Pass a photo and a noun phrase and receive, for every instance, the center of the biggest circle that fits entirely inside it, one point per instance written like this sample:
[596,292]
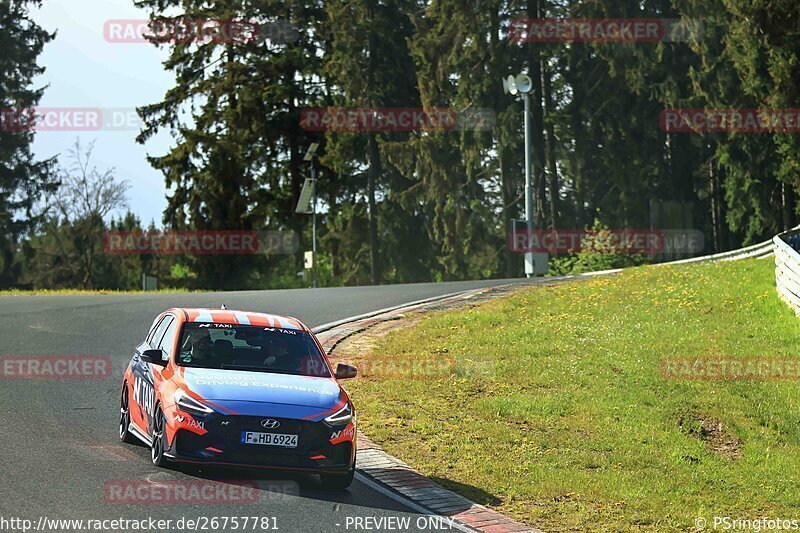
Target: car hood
[225,386]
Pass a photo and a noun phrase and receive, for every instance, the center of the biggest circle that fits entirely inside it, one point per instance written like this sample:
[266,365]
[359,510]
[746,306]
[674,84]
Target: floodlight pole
[309,158]
[528,186]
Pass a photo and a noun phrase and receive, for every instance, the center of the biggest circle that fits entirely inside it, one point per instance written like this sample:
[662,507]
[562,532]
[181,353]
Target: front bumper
[217,439]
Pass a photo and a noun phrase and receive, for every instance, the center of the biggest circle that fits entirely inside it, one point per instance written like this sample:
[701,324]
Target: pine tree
[235,115]
[23,180]
[763,47]
[369,66]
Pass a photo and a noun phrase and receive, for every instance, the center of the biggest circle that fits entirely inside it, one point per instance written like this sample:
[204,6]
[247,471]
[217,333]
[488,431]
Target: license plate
[269,439]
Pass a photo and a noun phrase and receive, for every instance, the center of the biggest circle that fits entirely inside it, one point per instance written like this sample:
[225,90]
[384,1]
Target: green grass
[557,413]
[82,292]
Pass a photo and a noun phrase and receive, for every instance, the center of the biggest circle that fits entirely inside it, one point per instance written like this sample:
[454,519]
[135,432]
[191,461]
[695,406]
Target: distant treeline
[610,147]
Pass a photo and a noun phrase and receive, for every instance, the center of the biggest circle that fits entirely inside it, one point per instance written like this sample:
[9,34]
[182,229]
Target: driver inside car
[198,345]
[279,356]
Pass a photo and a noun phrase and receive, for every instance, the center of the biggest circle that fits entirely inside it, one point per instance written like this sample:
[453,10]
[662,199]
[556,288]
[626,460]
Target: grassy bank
[558,415]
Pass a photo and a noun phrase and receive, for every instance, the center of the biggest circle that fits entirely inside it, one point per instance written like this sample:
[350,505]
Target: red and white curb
[394,478]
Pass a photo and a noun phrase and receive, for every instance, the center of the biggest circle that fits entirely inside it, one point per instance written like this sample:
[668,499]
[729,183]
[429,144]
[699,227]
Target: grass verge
[83,292]
[557,413]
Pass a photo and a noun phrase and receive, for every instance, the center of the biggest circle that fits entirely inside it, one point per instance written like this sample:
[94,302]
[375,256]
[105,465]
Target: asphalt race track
[59,437]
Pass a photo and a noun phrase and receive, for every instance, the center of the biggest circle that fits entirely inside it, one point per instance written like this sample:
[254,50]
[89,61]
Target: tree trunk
[509,196]
[372,176]
[788,201]
[296,178]
[552,167]
[509,174]
[334,242]
[715,210]
[373,155]
[537,120]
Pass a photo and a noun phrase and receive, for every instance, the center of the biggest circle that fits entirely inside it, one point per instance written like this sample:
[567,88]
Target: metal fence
[762,249]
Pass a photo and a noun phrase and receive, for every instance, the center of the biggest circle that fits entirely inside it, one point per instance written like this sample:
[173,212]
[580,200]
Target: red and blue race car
[239,388]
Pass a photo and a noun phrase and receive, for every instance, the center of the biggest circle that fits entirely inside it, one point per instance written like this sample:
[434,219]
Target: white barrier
[787,270]
[762,249]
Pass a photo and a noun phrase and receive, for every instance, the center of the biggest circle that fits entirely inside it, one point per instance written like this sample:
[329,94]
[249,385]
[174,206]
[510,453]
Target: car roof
[238,317]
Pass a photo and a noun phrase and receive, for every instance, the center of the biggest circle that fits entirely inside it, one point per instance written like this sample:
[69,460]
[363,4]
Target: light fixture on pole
[308,203]
[514,85]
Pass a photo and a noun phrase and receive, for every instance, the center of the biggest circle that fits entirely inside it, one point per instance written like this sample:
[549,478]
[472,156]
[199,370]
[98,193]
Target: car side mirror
[153,357]
[344,371]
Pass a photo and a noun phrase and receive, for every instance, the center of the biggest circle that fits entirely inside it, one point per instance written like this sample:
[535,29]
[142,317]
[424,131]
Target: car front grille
[225,434]
[310,434]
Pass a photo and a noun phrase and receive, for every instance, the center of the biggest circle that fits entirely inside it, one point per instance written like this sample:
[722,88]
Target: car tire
[125,417]
[159,440]
[337,481]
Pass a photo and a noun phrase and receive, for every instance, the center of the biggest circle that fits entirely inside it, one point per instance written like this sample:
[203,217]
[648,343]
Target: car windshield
[251,348]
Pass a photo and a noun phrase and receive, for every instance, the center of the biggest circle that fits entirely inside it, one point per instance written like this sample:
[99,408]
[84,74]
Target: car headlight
[342,416]
[189,404]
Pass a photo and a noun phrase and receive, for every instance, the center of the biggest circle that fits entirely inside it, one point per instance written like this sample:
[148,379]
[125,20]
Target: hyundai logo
[269,423]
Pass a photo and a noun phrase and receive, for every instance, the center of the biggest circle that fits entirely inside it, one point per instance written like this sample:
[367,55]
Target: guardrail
[787,267]
[762,249]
